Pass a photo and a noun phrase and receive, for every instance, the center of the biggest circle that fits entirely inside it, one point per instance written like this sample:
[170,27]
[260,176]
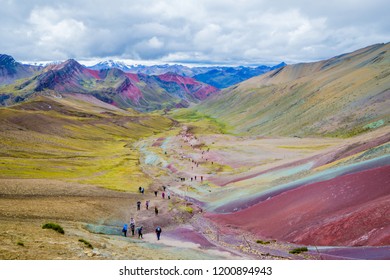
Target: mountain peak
[72,63]
[8,66]
[10,69]
[68,65]
[282,64]
[7,60]
[108,64]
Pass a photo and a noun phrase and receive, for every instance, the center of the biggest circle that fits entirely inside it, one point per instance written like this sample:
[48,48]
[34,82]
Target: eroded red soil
[350,210]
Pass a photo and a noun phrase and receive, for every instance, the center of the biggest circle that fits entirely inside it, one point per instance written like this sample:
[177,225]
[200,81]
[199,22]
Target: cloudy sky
[191,31]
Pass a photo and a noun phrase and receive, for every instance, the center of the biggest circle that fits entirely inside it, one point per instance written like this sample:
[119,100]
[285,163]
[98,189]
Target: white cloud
[206,38]
[155,43]
[55,35]
[229,31]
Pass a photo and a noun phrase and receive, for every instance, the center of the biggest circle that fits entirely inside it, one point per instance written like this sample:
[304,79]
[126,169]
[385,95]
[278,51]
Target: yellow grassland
[96,149]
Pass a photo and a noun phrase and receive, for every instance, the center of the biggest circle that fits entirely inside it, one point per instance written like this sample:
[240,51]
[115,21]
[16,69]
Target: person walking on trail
[124,230]
[132,226]
[156,210]
[158,232]
[147,204]
[169,195]
[155,193]
[163,195]
[164,187]
[142,190]
[138,205]
[139,231]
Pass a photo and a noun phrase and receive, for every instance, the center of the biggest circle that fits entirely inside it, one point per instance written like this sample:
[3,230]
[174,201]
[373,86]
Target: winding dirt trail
[225,170]
[184,162]
[196,165]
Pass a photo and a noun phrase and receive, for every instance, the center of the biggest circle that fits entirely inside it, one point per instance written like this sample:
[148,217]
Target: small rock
[95,252]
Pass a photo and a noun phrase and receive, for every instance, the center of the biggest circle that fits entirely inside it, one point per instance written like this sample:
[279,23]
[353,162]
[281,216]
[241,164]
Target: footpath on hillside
[181,165]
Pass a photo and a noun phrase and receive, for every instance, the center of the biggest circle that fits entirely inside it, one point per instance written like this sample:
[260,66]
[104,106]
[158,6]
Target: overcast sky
[191,31]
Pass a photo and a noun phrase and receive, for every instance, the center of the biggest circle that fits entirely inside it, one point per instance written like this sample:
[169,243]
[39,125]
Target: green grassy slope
[343,96]
[75,140]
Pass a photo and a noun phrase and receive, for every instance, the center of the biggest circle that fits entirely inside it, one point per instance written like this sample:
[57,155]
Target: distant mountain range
[139,91]
[143,88]
[217,76]
[223,77]
[148,70]
[342,96]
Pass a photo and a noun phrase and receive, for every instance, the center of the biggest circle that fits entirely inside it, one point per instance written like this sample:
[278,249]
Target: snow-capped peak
[107,64]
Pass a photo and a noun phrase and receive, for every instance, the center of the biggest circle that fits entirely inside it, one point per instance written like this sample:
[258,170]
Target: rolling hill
[342,96]
[75,138]
[297,156]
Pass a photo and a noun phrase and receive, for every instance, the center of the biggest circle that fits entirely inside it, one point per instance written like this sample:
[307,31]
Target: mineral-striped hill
[126,90]
[342,96]
[69,154]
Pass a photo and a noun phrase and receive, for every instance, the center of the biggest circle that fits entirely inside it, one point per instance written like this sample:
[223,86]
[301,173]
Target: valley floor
[212,180]
[96,215]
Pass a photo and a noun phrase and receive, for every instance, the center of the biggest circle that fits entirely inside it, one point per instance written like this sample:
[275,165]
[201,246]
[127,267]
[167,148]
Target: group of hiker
[139,229]
[194,178]
[133,229]
[147,207]
[163,193]
[191,139]
[147,202]
[187,137]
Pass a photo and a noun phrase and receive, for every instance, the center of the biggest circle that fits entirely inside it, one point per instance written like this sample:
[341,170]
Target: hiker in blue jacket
[124,230]
[158,232]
